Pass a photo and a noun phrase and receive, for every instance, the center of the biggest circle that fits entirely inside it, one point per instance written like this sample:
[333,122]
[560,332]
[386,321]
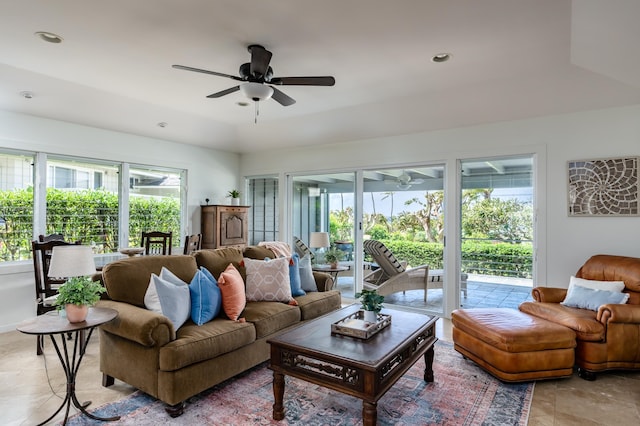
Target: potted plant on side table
[76,295]
[333,256]
[371,304]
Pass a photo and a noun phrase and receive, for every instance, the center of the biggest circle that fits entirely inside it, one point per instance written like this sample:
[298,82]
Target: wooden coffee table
[365,369]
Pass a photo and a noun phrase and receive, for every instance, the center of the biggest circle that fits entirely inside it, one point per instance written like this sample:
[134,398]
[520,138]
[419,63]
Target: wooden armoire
[224,226]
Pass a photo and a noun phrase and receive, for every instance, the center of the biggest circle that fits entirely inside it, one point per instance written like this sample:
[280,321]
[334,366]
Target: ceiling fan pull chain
[255,120]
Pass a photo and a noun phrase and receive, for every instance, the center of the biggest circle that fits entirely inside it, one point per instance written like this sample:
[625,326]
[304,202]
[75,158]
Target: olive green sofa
[141,347]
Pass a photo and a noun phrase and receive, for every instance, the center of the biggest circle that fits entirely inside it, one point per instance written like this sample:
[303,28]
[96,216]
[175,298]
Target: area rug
[462,394]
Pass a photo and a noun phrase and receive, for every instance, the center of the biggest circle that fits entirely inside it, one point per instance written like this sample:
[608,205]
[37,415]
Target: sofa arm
[324,282]
[549,294]
[140,325]
[612,313]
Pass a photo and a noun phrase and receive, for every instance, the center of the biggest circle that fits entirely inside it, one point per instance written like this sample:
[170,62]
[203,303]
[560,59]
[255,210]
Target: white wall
[211,174]
[567,241]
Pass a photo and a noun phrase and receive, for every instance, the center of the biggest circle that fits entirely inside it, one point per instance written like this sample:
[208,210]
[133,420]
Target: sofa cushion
[588,298]
[126,280]
[268,280]
[217,260]
[199,343]
[269,317]
[307,281]
[206,298]
[258,252]
[315,304]
[582,321]
[175,300]
[294,276]
[616,286]
[233,295]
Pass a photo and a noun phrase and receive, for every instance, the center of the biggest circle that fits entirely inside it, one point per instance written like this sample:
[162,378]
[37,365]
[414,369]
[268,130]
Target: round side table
[52,324]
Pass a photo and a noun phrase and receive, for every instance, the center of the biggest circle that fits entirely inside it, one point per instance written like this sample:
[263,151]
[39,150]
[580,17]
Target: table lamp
[318,240]
[71,261]
[75,263]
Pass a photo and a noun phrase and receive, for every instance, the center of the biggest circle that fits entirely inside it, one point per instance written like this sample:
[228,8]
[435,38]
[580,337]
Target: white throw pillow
[616,286]
[268,280]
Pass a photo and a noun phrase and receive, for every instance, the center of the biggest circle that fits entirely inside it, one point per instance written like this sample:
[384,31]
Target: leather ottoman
[514,346]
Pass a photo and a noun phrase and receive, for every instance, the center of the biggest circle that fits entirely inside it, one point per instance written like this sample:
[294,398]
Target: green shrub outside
[90,216]
[488,258]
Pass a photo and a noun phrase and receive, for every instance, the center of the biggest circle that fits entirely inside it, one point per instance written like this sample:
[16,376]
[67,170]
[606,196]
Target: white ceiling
[511,60]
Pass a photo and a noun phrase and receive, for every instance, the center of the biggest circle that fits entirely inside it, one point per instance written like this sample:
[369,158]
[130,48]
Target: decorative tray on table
[354,325]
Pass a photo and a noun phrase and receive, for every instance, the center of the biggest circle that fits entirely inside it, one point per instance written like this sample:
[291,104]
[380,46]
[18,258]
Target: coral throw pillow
[233,295]
[268,280]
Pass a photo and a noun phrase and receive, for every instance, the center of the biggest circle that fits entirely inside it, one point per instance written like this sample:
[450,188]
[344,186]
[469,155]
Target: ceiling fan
[404,181]
[258,80]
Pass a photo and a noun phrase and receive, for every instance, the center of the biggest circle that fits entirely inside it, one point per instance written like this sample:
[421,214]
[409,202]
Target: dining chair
[46,287]
[51,237]
[156,242]
[192,243]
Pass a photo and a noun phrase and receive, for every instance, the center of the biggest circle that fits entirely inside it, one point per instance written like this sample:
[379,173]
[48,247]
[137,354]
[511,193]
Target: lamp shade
[319,239]
[71,261]
[256,91]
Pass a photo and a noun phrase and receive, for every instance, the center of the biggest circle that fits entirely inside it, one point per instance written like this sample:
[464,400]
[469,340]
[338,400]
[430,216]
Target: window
[154,202]
[76,210]
[82,202]
[263,198]
[16,206]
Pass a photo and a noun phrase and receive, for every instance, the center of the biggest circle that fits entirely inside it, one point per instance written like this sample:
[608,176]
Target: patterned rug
[462,394]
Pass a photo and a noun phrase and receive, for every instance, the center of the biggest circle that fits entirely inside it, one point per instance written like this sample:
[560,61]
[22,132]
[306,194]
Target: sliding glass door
[497,231]
[403,208]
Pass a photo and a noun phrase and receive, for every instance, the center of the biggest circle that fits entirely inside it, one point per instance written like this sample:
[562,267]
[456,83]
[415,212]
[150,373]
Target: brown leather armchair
[609,338]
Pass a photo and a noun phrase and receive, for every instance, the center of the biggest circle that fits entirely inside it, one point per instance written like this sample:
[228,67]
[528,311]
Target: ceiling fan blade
[303,81]
[260,58]
[417,181]
[281,98]
[219,74]
[224,92]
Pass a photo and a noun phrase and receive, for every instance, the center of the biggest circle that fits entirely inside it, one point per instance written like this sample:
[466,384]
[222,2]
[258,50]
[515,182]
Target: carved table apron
[365,369]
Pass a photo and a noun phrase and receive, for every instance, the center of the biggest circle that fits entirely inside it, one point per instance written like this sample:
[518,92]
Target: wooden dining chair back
[46,287]
[50,237]
[156,242]
[192,243]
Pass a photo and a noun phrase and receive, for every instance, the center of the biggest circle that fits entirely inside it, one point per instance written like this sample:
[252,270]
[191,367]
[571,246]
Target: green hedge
[501,259]
[90,216]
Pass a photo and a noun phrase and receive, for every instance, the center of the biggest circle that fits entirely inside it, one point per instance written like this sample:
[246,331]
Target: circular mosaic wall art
[607,187]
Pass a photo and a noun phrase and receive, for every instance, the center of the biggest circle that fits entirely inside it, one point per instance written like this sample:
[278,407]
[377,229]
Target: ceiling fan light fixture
[403,186]
[256,91]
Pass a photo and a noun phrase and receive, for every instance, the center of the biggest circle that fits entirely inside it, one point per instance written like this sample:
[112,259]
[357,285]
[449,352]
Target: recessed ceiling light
[26,94]
[48,37]
[441,57]
[162,124]
[242,104]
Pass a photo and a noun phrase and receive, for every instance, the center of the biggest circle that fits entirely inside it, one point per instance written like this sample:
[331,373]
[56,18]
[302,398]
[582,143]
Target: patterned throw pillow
[233,295]
[268,280]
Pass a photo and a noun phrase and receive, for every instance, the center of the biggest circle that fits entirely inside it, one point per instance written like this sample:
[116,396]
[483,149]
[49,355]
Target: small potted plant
[371,304]
[333,256]
[234,194]
[76,295]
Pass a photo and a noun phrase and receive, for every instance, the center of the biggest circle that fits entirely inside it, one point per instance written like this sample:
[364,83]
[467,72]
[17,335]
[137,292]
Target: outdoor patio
[482,292]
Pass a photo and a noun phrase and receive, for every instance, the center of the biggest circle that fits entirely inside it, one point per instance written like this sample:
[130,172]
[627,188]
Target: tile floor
[27,397]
